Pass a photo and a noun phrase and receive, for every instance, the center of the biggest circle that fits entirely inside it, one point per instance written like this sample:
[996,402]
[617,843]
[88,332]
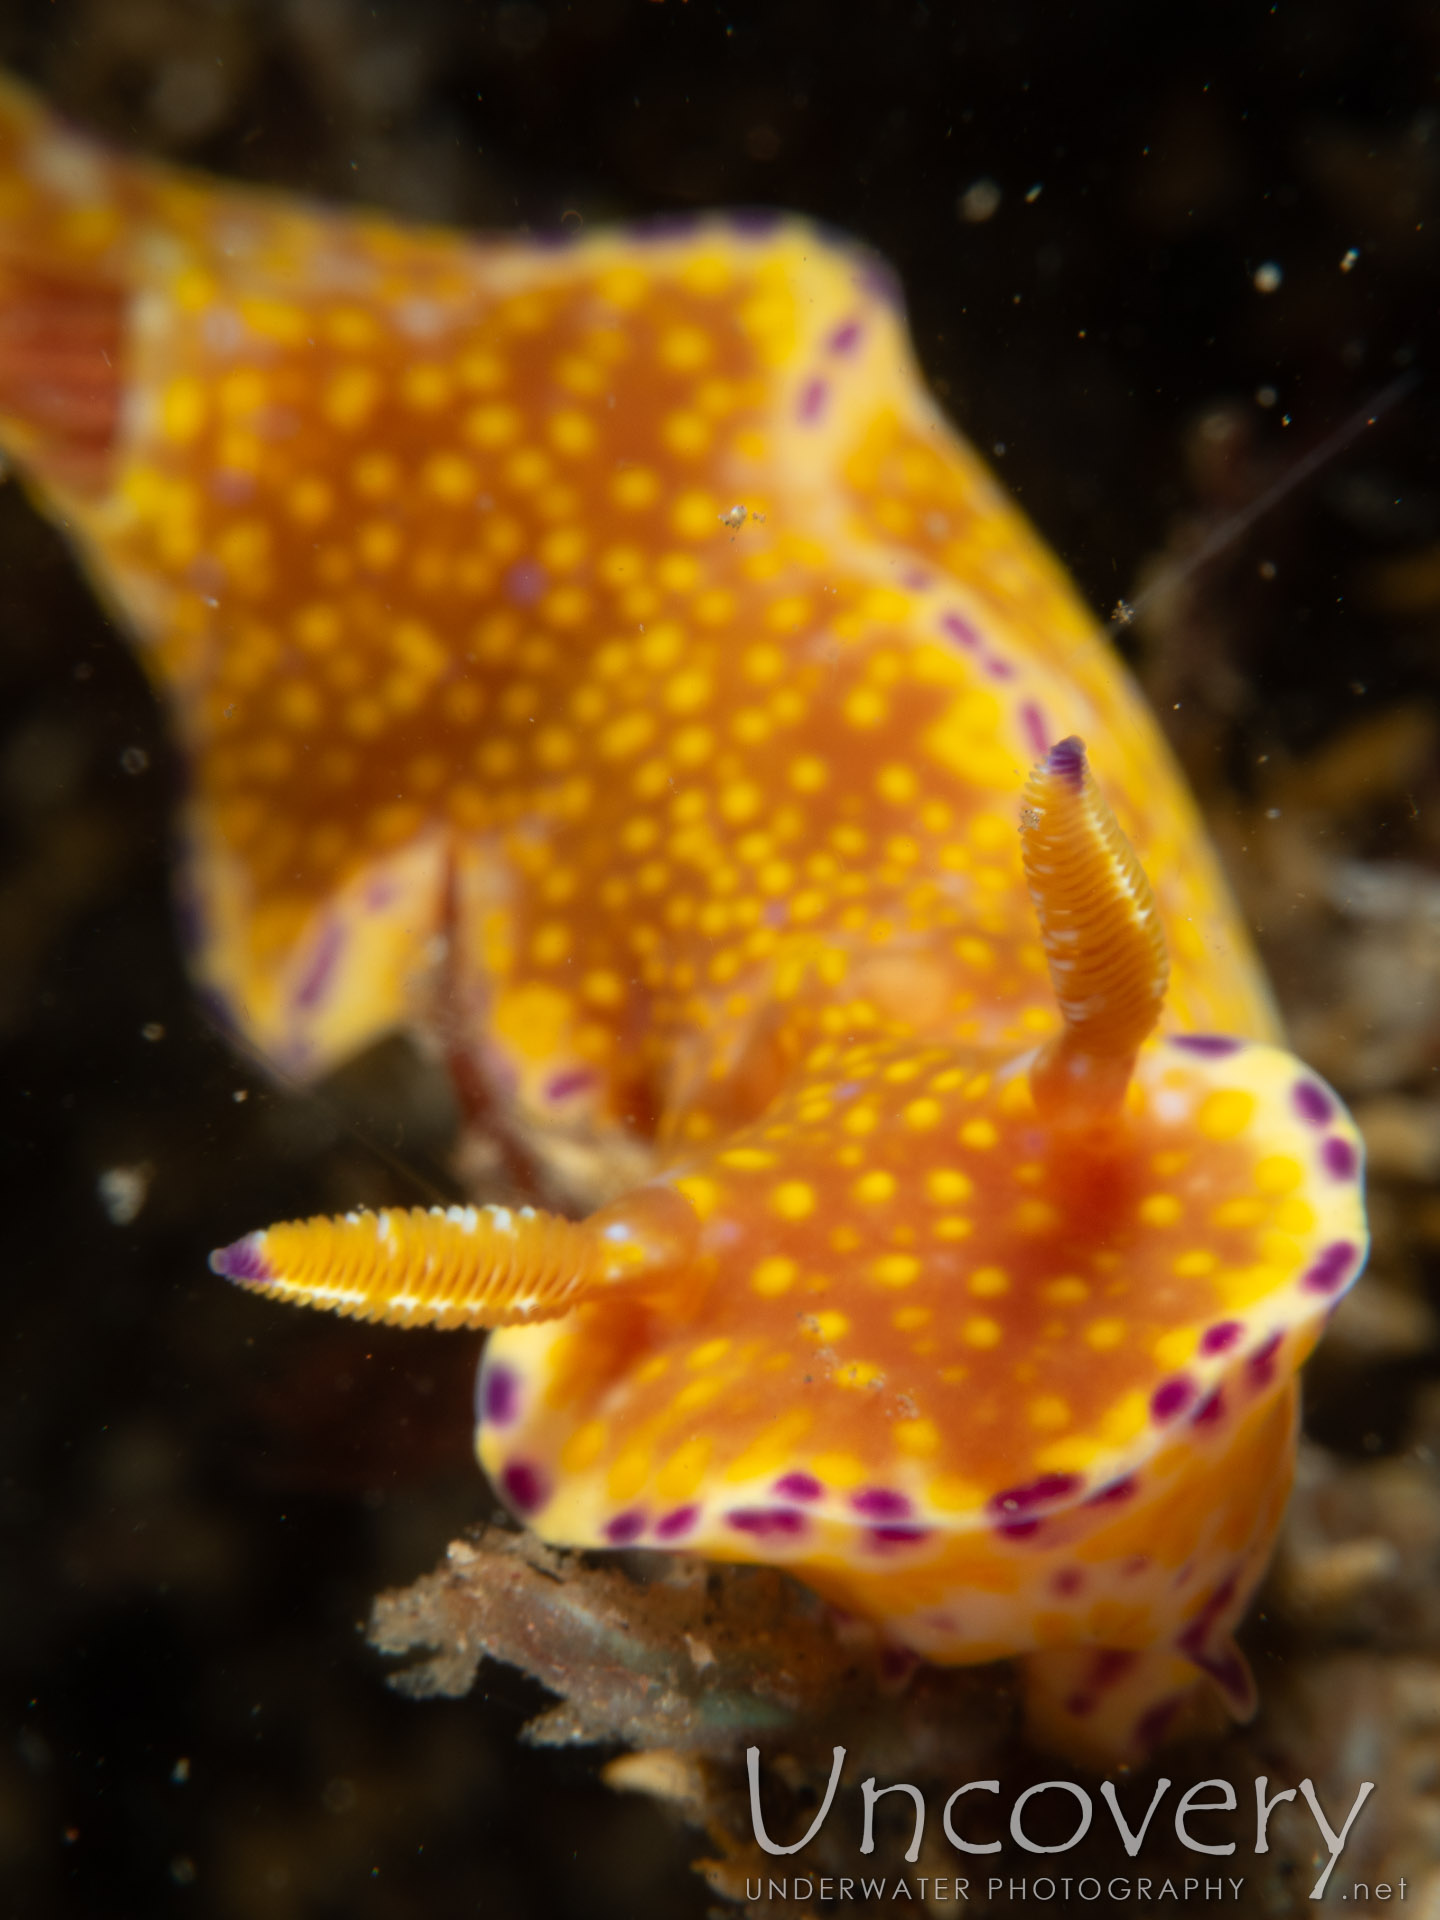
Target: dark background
[198,1497]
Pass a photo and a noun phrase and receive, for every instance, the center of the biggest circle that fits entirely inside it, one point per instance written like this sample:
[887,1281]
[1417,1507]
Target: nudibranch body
[604,662]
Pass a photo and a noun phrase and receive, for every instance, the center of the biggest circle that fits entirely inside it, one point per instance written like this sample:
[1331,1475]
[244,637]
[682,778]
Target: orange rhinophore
[604,662]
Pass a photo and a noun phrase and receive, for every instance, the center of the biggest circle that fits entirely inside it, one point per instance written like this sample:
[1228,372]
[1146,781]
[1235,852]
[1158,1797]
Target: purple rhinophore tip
[1066,760]
[243,1261]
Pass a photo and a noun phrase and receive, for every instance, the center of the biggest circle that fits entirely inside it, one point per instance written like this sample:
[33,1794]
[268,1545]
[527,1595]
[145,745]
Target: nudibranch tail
[461,1266]
[1101,933]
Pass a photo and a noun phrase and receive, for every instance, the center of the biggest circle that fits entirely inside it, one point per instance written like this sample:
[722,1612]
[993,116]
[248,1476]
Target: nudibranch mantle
[604,662]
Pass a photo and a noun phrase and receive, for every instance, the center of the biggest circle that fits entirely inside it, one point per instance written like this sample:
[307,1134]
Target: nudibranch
[602,661]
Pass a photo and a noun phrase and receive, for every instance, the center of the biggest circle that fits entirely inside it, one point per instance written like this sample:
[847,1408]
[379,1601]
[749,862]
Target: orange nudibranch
[604,662]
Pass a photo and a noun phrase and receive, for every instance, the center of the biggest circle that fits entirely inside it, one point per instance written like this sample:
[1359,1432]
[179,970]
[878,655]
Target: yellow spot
[980,1331]
[493,425]
[1160,1210]
[584,1446]
[808,774]
[858,1373]
[449,477]
[748,1159]
[704,1195]
[687,434]
[872,1188]
[1129,1416]
[1068,1291]
[1103,1335]
[897,784]
[946,1186]
[350,397]
[1196,1264]
[774,1275]
[861,1119]
[978,1133]
[948,1493]
[916,1436]
[865,708]
[1295,1216]
[1036,1216]
[793,1200]
[1173,1349]
[1278,1173]
[572,432]
[989,1282]
[895,1269]
[1243,1212]
[1048,1412]
[829,1324]
[922,1114]
[688,690]
[707,1354]
[375,474]
[183,410]
[603,988]
[1225,1114]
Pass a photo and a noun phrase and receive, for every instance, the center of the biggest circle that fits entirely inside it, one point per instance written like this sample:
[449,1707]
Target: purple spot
[1209,1410]
[1331,1269]
[1312,1103]
[846,337]
[1221,1337]
[799,1486]
[625,1526]
[916,578]
[898,1536]
[767,1523]
[999,669]
[573,1080]
[880,1503]
[1111,1666]
[1262,1361]
[1036,731]
[525,582]
[1339,1158]
[960,629]
[679,1521]
[1018,1529]
[523,1486]
[242,1260]
[322,965]
[500,1396]
[1153,1724]
[1067,1581]
[813,396]
[1038,1493]
[1172,1397]
[755,220]
[1066,760]
[380,894]
[1116,1491]
[1213,1045]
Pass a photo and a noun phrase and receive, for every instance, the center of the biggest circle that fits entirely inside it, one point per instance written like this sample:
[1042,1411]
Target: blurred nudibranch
[603,661]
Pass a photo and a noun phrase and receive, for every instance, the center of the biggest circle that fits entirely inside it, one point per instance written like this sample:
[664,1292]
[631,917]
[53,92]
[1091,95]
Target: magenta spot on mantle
[767,1523]
[1036,732]
[318,974]
[1116,1491]
[960,629]
[846,337]
[1312,1103]
[1262,1361]
[799,1486]
[880,1503]
[1339,1158]
[1221,1337]
[999,669]
[1172,1397]
[1067,1581]
[1331,1269]
[813,396]
[499,1396]
[625,1526]
[525,582]
[1037,1493]
[1209,1410]
[679,1520]
[523,1486]
[884,1537]
[1213,1045]
[573,1080]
